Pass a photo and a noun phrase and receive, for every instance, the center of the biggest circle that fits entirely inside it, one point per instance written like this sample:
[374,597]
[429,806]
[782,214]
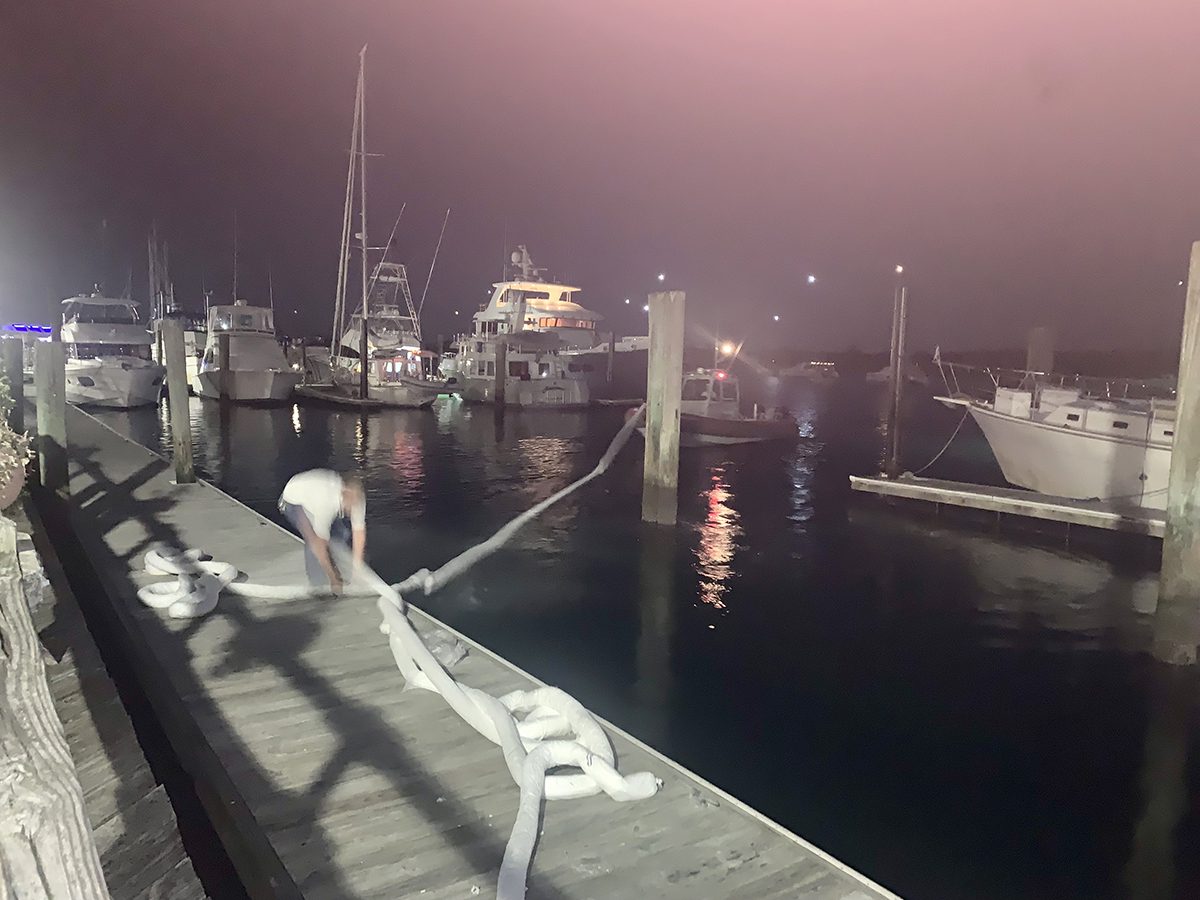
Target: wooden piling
[14,370]
[899,327]
[223,362]
[1177,619]
[501,383]
[1039,350]
[664,382]
[177,398]
[50,376]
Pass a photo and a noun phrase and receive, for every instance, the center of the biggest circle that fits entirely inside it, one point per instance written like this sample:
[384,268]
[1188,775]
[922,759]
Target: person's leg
[339,533]
[312,566]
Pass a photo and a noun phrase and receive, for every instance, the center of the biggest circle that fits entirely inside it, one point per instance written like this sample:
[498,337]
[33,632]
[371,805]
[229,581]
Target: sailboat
[376,357]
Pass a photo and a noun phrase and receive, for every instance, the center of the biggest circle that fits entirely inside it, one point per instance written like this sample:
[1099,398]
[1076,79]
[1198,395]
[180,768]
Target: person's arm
[358,542]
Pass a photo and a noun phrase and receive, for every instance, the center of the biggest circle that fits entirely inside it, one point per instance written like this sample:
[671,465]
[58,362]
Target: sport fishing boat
[710,413]
[1071,436]
[818,371]
[108,353]
[258,371]
[532,303]
[376,358]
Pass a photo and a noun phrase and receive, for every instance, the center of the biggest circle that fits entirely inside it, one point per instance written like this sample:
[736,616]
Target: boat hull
[543,393]
[1078,464]
[712,431]
[249,386]
[406,393]
[113,384]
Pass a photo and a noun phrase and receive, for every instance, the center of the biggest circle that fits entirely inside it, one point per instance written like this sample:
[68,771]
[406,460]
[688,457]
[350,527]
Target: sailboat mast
[339,301]
[362,212]
[235,255]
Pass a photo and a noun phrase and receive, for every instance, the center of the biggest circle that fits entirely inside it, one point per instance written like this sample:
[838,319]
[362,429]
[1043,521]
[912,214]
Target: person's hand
[335,585]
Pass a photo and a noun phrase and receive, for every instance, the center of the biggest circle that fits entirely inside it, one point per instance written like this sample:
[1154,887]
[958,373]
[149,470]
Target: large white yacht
[108,353]
[548,331]
[1071,436]
[258,370]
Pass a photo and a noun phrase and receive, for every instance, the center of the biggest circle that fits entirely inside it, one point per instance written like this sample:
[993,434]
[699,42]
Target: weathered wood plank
[46,844]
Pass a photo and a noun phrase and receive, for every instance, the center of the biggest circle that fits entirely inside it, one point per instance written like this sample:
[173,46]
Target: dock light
[899,270]
[646,308]
[662,276]
[812,279]
[727,348]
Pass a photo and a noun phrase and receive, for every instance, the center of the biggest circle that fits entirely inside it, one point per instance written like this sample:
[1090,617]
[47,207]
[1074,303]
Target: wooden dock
[133,822]
[1016,502]
[327,780]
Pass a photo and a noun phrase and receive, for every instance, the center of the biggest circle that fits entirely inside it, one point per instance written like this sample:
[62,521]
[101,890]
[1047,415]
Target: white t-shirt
[319,492]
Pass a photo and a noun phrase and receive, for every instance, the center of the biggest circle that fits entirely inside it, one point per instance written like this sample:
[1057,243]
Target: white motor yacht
[1071,436]
[531,303]
[258,370]
[108,353]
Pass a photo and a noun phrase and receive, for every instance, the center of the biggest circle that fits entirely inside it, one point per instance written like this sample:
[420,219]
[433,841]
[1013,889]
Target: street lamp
[899,269]
[812,279]
[662,276]
[727,348]
[775,317]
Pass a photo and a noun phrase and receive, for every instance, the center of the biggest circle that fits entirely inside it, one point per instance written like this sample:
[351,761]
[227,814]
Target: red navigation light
[720,376]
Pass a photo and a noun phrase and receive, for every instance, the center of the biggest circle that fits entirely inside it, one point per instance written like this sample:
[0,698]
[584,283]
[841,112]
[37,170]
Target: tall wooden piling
[1177,619]
[899,329]
[664,382]
[501,383]
[177,398]
[223,363]
[50,377]
[1039,350]
[14,371]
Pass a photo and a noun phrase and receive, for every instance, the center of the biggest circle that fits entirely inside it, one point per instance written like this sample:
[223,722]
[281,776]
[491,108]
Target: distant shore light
[662,276]
[626,301]
[776,318]
[899,269]
[812,279]
[646,308]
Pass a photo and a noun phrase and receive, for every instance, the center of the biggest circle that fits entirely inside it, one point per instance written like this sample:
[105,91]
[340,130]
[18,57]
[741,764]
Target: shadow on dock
[78,527]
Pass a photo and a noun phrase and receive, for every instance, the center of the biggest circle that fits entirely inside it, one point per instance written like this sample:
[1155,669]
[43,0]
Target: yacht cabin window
[695,389]
[91,351]
[100,314]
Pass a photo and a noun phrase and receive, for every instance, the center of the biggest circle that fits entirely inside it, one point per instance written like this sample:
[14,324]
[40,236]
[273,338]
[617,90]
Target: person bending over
[325,506]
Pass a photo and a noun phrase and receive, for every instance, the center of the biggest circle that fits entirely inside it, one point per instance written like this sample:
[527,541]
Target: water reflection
[296,418]
[656,582]
[718,542]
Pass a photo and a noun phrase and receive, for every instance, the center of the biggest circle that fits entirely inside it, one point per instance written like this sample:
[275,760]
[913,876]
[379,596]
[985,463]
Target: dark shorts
[339,531]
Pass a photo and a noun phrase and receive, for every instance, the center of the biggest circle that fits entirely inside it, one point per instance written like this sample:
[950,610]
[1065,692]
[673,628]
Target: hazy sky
[1028,161]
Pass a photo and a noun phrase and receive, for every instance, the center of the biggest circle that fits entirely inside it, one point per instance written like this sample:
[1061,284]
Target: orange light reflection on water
[718,543]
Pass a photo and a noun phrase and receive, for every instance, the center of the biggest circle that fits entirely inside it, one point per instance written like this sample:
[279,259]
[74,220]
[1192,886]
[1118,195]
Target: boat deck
[1017,502]
[327,779]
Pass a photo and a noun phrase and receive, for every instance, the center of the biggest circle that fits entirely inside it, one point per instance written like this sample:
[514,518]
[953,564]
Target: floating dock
[325,779]
[1016,502]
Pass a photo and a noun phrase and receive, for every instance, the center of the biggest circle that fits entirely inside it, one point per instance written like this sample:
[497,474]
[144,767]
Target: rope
[537,730]
[431,581]
[945,446]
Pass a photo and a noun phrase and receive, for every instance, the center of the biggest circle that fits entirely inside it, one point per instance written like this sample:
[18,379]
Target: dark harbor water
[954,712]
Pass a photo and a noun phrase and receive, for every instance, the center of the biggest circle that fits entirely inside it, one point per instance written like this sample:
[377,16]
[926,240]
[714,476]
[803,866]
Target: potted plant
[14,451]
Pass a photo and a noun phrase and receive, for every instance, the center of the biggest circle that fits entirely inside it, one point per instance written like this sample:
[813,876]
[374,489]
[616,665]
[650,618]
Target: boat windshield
[695,389]
[100,314]
[92,351]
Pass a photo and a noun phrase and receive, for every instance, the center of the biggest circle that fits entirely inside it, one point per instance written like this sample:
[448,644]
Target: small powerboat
[710,414]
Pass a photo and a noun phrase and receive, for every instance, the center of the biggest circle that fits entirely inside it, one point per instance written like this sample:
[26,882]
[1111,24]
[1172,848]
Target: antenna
[270,289]
[235,254]
[436,250]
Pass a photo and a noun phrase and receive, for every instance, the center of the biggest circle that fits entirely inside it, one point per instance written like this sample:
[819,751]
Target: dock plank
[361,788]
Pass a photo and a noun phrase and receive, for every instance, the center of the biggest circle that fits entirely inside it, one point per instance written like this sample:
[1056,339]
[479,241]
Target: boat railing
[981,382]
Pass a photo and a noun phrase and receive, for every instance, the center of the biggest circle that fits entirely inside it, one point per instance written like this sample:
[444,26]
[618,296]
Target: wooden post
[612,352]
[223,362]
[664,382]
[899,326]
[501,371]
[1039,351]
[14,370]
[50,375]
[1177,619]
[47,848]
[177,397]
